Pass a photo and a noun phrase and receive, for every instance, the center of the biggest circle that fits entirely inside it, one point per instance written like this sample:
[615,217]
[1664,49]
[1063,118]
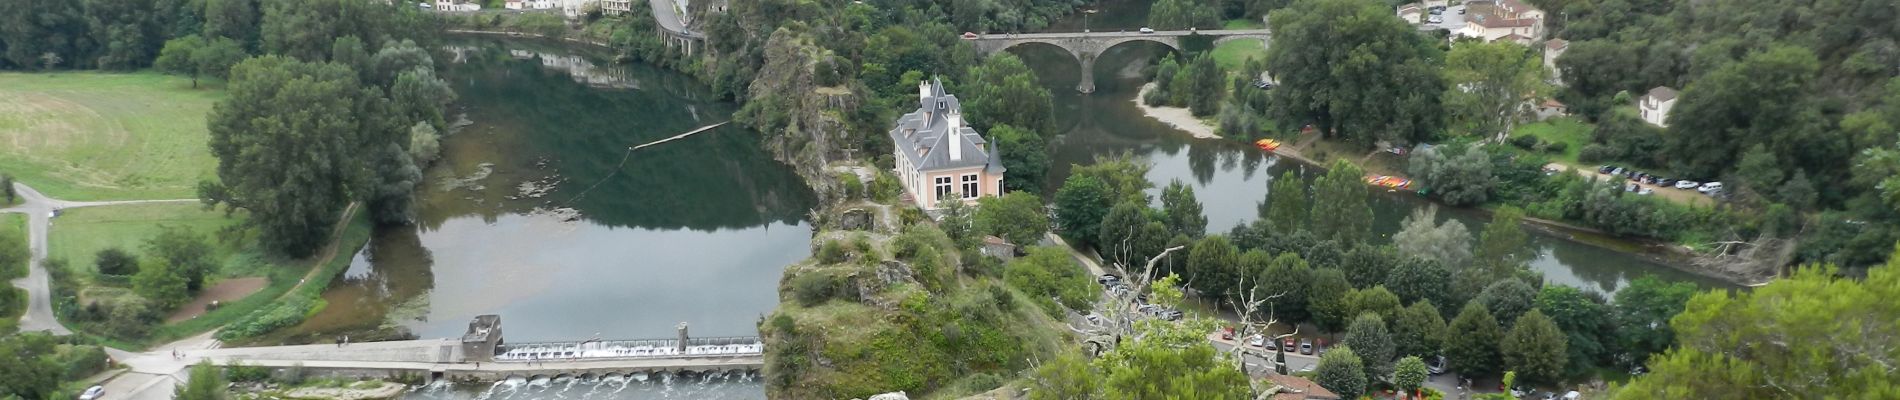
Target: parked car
[1168,315]
[1687,184]
[1710,187]
[1108,279]
[1437,11]
[1630,187]
[1287,343]
[1435,19]
[1306,346]
[1436,365]
[1573,395]
[1257,341]
[1616,171]
[1645,191]
[1227,333]
[1147,30]
[93,393]
[1461,11]
[969,35]
[1605,169]
[1273,345]
[1666,182]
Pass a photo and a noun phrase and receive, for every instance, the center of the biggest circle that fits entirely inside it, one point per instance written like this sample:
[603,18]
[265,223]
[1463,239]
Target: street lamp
[1085,19]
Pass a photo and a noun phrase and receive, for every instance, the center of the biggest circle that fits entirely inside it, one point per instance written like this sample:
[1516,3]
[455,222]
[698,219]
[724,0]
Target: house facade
[939,156]
[1493,20]
[1654,107]
[1552,49]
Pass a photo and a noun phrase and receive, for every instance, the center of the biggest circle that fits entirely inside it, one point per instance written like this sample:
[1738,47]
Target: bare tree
[1248,306]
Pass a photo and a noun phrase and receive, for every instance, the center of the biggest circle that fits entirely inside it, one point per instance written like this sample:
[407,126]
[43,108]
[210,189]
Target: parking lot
[1453,19]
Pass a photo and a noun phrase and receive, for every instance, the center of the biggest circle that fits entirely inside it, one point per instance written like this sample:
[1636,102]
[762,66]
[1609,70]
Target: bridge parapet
[1085,46]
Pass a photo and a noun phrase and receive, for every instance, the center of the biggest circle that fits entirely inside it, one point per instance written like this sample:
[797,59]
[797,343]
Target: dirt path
[225,291]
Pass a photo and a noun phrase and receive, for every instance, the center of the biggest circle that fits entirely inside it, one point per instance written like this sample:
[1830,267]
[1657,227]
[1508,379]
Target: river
[538,212]
[1231,179]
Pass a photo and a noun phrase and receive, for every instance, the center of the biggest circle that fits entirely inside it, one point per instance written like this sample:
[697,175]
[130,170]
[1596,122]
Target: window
[943,187]
[969,186]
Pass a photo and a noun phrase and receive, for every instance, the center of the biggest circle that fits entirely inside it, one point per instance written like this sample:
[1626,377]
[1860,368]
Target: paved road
[38,209]
[670,19]
[1112,35]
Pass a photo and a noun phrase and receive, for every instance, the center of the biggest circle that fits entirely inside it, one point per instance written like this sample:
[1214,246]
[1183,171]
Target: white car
[1645,191]
[1436,19]
[1710,187]
[1147,30]
[1687,184]
[93,393]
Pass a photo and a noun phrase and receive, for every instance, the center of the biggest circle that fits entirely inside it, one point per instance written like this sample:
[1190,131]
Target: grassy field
[80,233]
[98,136]
[1570,131]
[1232,54]
[1243,24]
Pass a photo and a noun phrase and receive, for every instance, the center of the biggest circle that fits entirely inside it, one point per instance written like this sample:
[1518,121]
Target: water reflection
[539,213]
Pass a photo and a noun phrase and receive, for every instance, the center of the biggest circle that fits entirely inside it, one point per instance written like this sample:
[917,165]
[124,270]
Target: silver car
[93,393]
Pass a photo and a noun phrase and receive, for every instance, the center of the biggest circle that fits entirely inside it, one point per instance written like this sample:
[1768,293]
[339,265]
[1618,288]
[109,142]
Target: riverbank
[1179,118]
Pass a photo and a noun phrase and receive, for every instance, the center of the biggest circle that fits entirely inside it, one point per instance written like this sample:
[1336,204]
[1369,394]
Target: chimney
[923,92]
[954,128]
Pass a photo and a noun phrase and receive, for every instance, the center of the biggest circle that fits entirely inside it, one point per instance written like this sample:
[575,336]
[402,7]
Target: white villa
[1654,107]
[939,156]
[1493,20]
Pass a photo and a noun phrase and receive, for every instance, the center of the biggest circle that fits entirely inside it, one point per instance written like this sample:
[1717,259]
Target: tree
[396,58]
[1342,372]
[1004,91]
[1418,330]
[1376,300]
[1067,377]
[1503,246]
[1323,51]
[425,144]
[1507,299]
[6,185]
[1490,85]
[418,95]
[1423,237]
[958,222]
[1473,349]
[1290,279]
[1285,208]
[1367,266]
[288,141]
[1025,157]
[1183,211]
[1124,238]
[1125,176]
[1416,280]
[1585,319]
[1643,311]
[162,283]
[1080,206]
[186,251]
[1535,349]
[1409,373]
[194,57]
[1812,334]
[1183,14]
[1457,177]
[1156,369]
[1340,212]
[207,383]
[1327,301]
[1017,217]
[1369,339]
[1758,100]
[115,261]
[1214,267]
[31,371]
[233,19]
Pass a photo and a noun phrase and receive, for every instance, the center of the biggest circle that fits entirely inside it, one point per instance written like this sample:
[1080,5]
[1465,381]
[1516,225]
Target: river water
[538,213]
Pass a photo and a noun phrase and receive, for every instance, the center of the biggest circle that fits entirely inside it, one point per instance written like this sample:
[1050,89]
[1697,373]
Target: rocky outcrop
[801,114]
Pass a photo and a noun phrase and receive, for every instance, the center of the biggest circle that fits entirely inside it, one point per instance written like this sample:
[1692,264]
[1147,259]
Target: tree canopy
[1326,54]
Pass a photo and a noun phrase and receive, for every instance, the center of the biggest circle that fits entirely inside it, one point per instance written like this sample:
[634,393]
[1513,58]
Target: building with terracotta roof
[939,156]
[1289,387]
[1493,20]
[1654,107]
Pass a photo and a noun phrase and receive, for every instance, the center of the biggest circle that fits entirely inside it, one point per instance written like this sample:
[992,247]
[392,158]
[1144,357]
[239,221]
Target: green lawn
[1231,55]
[80,233]
[13,226]
[1571,131]
[1243,24]
[101,136]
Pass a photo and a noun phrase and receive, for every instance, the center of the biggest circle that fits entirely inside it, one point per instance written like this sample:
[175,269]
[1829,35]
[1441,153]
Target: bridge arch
[1086,46]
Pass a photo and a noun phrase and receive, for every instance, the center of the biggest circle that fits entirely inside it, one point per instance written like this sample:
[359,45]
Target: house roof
[1494,21]
[1553,103]
[925,136]
[1556,44]
[1662,93]
[1297,388]
[1413,7]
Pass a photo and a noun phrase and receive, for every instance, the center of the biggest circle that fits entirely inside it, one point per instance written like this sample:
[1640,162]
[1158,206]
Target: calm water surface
[537,212]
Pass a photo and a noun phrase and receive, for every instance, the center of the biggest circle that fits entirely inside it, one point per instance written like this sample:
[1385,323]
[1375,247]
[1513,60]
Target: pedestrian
[346,340]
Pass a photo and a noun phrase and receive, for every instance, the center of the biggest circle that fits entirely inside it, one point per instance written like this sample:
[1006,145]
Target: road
[38,285]
[669,19]
[1112,35]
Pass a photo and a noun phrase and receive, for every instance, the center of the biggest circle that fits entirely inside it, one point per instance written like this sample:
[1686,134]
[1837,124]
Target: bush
[1593,152]
[831,252]
[238,372]
[1556,147]
[812,288]
[885,188]
[82,361]
[1526,142]
[849,186]
[115,261]
[267,319]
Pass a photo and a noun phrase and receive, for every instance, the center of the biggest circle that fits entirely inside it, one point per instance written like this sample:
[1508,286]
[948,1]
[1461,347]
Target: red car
[1227,333]
[969,35]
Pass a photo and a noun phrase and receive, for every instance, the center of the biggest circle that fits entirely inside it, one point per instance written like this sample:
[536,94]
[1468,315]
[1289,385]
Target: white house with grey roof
[939,156]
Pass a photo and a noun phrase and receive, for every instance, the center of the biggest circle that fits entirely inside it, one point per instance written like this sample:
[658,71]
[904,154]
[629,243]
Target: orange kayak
[1267,144]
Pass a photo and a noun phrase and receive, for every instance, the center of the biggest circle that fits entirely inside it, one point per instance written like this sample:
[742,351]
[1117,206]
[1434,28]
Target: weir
[483,355]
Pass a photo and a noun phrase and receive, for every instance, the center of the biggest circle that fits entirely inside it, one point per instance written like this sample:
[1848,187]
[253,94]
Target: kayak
[1267,144]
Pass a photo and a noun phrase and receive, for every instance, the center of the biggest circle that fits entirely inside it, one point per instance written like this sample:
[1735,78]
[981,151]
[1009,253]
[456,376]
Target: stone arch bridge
[1085,46]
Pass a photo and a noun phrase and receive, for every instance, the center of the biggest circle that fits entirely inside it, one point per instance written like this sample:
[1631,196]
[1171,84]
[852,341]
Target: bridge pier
[1087,85]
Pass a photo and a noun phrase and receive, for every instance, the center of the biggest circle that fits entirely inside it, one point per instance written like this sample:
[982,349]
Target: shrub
[812,288]
[849,186]
[831,252]
[82,361]
[885,188]
[117,262]
[1596,152]
[1556,147]
[1526,142]
[238,372]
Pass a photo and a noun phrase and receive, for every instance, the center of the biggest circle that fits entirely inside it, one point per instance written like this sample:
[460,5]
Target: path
[38,285]
[1087,261]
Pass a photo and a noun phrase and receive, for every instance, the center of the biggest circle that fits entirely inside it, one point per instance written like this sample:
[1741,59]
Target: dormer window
[942,105]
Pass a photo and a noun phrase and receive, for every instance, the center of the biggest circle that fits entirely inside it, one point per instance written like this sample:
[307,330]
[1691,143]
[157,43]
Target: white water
[639,387]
